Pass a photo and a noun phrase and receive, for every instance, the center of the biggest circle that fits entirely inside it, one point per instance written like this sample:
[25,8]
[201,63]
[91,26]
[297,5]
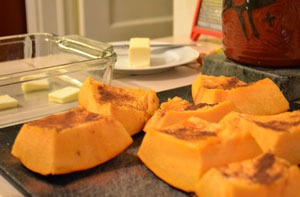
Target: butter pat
[7,102]
[64,95]
[139,52]
[35,85]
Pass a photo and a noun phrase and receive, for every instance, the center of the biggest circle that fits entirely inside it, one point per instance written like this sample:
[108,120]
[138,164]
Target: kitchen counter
[176,77]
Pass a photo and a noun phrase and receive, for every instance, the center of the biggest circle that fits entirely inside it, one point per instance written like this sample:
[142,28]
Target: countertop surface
[176,77]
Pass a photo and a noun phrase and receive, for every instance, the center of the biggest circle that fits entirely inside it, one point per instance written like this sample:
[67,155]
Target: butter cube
[36,85]
[7,102]
[139,52]
[64,95]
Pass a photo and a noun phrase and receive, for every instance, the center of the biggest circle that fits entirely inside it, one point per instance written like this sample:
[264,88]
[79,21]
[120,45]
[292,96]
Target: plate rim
[154,69]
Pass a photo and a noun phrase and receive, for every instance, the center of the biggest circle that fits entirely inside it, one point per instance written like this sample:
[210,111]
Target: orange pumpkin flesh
[72,141]
[263,176]
[181,143]
[262,97]
[173,153]
[177,109]
[277,133]
[181,153]
[211,89]
[132,107]
[175,103]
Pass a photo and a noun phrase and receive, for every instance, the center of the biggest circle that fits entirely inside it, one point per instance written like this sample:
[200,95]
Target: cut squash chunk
[211,89]
[132,107]
[175,153]
[72,141]
[262,97]
[237,139]
[178,109]
[277,133]
[181,153]
[263,176]
[175,103]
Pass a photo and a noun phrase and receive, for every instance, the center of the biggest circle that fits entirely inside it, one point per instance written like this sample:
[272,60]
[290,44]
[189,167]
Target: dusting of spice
[66,120]
[189,133]
[263,170]
[199,106]
[277,125]
[107,95]
[230,83]
[119,97]
[262,166]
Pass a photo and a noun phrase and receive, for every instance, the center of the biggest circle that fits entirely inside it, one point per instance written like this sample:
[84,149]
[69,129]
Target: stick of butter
[139,52]
[36,85]
[7,102]
[64,95]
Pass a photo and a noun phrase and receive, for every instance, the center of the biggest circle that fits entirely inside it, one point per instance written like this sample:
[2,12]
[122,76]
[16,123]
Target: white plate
[159,62]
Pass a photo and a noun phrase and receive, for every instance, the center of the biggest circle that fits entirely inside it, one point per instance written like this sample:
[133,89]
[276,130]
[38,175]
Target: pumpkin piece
[72,141]
[177,109]
[175,153]
[181,153]
[263,176]
[132,107]
[211,89]
[236,136]
[262,97]
[277,133]
[175,103]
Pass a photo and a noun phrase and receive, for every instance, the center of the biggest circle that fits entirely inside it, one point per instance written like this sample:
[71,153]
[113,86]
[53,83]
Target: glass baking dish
[60,60]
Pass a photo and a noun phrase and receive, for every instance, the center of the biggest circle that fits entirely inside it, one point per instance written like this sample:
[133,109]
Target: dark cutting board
[125,175]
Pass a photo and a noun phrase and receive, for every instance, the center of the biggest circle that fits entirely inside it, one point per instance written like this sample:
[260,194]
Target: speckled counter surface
[287,79]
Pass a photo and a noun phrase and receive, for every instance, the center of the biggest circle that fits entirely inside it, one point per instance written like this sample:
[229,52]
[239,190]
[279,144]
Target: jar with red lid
[263,33]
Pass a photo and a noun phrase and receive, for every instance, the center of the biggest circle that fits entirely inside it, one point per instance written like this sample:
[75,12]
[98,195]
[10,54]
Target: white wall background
[163,18]
[183,16]
[105,20]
